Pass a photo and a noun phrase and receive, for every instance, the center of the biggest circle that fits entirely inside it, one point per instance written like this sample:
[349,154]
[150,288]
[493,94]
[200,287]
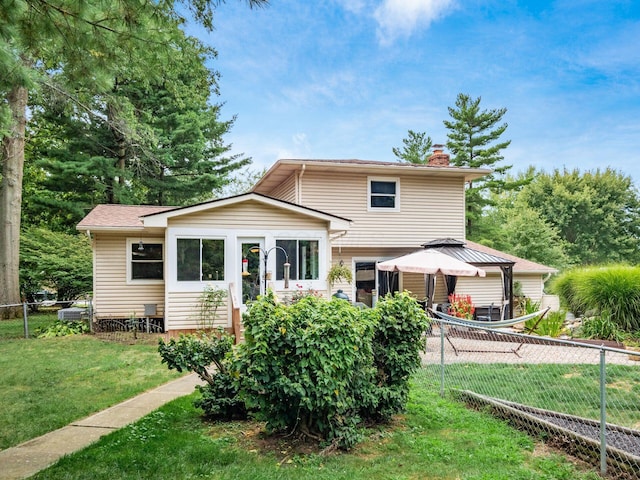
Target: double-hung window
[303,257]
[200,259]
[384,194]
[146,261]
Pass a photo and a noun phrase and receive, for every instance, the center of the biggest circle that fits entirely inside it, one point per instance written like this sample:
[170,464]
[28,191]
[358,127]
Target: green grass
[572,389]
[48,383]
[436,439]
[14,328]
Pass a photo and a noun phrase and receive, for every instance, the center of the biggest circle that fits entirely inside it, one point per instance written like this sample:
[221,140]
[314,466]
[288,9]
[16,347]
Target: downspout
[299,184]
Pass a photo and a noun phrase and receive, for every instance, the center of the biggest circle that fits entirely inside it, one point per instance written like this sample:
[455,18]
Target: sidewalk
[36,454]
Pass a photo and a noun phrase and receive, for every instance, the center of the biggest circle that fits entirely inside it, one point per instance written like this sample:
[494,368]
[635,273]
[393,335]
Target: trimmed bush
[316,367]
[305,367]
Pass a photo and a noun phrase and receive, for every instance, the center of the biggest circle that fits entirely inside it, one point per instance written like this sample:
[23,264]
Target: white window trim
[395,180]
[134,241]
[320,259]
[232,267]
[198,283]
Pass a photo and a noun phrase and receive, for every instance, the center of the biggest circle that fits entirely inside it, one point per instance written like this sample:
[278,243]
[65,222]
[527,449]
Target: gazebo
[458,250]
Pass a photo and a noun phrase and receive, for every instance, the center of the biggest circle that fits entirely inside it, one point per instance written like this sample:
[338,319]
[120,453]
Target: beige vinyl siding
[532,285]
[183,311]
[247,215]
[430,208]
[414,283]
[286,190]
[113,297]
[488,290]
[483,290]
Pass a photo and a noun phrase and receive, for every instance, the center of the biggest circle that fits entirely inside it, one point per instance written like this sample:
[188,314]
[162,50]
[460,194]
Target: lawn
[435,439]
[566,388]
[14,328]
[48,383]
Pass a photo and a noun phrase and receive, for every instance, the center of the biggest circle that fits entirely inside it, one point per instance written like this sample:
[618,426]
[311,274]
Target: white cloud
[400,18]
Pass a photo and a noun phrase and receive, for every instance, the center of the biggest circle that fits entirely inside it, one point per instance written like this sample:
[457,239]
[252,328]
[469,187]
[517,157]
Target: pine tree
[474,142]
[80,43]
[416,149]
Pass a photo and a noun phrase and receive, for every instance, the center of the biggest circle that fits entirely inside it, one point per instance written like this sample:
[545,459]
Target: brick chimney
[438,158]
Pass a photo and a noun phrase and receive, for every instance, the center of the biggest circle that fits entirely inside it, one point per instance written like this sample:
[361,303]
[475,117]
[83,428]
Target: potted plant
[339,272]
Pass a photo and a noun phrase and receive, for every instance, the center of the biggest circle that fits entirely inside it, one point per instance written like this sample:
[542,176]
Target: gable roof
[284,168]
[138,217]
[116,217]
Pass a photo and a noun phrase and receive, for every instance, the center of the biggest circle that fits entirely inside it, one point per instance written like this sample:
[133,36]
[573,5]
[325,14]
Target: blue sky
[349,78]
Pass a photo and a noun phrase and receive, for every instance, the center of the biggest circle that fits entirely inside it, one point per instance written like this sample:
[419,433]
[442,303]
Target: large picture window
[147,262]
[200,259]
[383,194]
[303,257]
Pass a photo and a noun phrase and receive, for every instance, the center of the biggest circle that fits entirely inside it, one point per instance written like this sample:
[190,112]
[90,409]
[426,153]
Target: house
[299,219]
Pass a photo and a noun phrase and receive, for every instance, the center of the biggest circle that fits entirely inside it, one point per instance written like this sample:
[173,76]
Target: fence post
[603,413]
[441,358]
[25,319]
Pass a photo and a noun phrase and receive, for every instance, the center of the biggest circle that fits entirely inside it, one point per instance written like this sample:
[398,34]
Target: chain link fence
[28,318]
[584,398]
[31,318]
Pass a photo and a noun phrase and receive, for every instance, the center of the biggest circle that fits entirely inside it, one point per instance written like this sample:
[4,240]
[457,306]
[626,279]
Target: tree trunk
[116,126]
[12,157]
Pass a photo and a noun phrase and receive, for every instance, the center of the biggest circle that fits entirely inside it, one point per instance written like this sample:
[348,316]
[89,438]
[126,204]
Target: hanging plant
[339,272]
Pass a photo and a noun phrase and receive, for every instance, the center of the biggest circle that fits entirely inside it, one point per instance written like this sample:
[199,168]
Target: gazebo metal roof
[459,250]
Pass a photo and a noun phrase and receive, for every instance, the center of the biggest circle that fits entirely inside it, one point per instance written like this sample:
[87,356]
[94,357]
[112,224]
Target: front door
[251,273]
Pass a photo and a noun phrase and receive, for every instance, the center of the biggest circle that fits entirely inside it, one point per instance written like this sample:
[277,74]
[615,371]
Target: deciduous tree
[597,213]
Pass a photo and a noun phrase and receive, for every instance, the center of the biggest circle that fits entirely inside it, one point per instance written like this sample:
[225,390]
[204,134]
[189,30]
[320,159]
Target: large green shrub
[55,260]
[564,285]
[305,367]
[314,367]
[612,291]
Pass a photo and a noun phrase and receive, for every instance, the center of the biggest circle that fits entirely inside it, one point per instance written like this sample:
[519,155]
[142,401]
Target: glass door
[251,274]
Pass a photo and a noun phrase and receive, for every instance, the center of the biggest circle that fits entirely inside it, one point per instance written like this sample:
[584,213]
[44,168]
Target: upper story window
[384,194]
[146,260]
[303,257]
[200,259]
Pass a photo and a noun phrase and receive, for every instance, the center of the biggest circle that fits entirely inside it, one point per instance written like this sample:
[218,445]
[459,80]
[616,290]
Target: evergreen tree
[416,149]
[162,136]
[474,142]
[81,43]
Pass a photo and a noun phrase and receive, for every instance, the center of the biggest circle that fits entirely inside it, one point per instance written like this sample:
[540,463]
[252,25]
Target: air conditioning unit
[73,313]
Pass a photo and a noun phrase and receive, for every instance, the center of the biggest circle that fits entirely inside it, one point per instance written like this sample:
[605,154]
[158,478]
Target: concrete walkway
[30,457]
